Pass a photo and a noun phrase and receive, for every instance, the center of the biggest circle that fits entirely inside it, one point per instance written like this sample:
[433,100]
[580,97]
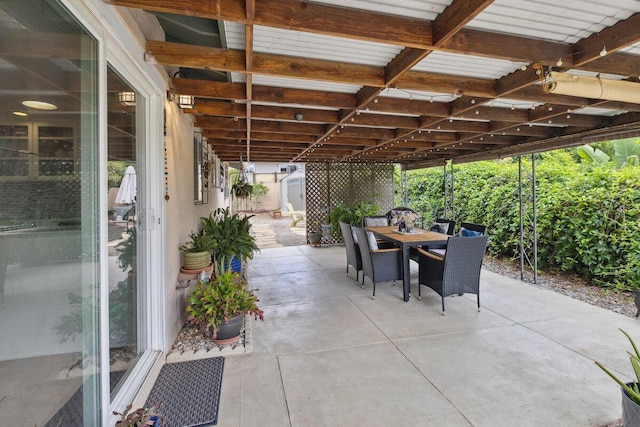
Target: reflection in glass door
[49,249]
[126,308]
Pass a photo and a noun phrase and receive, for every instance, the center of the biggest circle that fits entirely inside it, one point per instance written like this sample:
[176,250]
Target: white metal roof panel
[419,9]
[310,45]
[594,111]
[562,21]
[296,83]
[419,95]
[514,104]
[466,65]
[634,49]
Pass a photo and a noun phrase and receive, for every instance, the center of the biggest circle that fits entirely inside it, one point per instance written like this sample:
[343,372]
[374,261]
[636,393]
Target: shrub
[588,216]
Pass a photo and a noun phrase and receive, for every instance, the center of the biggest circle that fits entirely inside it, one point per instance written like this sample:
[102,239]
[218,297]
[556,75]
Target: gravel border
[572,285]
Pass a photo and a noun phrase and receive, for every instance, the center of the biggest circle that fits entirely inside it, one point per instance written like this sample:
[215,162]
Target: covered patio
[327,354]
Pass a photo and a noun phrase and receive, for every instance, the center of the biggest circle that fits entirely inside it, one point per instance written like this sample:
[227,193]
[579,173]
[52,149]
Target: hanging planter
[242,189]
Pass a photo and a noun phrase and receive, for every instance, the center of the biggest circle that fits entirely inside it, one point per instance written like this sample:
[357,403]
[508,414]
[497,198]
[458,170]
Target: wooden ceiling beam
[618,36]
[344,22]
[455,16]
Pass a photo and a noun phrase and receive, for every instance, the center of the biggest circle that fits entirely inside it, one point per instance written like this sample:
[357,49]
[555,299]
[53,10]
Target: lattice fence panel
[329,184]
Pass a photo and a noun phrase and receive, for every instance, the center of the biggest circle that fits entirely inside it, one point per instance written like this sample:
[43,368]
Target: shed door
[295,193]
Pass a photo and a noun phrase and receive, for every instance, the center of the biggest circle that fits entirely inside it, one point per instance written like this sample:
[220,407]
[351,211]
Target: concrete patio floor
[328,355]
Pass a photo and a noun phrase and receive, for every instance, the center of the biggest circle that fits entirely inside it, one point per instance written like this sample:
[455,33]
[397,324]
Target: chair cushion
[440,227]
[371,239]
[439,252]
[376,221]
[465,232]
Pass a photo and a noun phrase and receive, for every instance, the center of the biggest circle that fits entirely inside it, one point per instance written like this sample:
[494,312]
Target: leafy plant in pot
[350,213]
[217,307]
[231,238]
[630,390]
[139,417]
[196,253]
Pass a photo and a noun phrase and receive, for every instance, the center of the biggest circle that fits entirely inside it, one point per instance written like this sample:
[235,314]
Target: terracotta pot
[207,270]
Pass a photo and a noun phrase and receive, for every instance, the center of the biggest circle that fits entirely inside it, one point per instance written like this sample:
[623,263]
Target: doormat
[188,393]
[71,413]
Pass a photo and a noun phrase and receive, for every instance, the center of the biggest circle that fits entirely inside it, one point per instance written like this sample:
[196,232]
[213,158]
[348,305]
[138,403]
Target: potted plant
[350,213]
[630,390]
[196,253]
[217,307]
[232,242]
[259,190]
[138,418]
[315,237]
[241,188]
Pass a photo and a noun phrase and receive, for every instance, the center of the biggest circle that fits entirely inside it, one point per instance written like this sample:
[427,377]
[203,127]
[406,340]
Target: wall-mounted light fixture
[592,87]
[127,99]
[185,101]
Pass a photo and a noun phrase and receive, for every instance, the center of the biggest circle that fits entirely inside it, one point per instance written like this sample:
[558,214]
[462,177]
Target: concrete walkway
[328,355]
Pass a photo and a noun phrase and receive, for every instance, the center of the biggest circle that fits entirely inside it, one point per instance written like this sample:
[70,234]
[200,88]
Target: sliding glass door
[49,216]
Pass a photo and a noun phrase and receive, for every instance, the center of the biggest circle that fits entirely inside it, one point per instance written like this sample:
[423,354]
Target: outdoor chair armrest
[430,255]
[377,251]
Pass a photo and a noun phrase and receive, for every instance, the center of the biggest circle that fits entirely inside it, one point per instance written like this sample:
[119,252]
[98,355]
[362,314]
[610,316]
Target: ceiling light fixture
[39,105]
[127,99]
[20,114]
[603,52]
[592,87]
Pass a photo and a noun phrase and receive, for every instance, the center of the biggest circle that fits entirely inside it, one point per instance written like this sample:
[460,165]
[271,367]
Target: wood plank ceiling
[415,84]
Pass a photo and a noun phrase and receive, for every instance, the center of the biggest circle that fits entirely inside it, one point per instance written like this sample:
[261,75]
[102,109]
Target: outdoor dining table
[405,241]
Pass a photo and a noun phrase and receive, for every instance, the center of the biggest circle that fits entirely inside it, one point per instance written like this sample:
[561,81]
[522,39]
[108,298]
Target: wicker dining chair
[375,221]
[457,272]
[378,221]
[476,228]
[353,250]
[451,225]
[379,265]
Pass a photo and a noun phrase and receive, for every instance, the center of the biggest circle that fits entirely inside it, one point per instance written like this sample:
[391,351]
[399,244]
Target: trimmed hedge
[588,216]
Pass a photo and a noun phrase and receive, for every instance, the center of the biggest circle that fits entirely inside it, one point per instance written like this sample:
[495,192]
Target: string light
[603,52]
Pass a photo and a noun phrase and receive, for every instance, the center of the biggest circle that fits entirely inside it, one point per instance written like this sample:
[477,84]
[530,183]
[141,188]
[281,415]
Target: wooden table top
[420,236]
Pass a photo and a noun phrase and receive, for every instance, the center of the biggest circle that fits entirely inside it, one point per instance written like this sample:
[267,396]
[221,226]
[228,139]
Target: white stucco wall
[182,215]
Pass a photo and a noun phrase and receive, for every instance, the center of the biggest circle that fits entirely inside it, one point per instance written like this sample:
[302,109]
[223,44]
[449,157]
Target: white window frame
[118,47]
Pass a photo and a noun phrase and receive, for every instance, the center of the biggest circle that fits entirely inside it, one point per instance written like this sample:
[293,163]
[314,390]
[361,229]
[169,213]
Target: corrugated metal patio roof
[338,80]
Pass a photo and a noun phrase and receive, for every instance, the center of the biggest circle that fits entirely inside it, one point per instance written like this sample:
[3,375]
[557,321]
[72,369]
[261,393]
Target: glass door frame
[119,48]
